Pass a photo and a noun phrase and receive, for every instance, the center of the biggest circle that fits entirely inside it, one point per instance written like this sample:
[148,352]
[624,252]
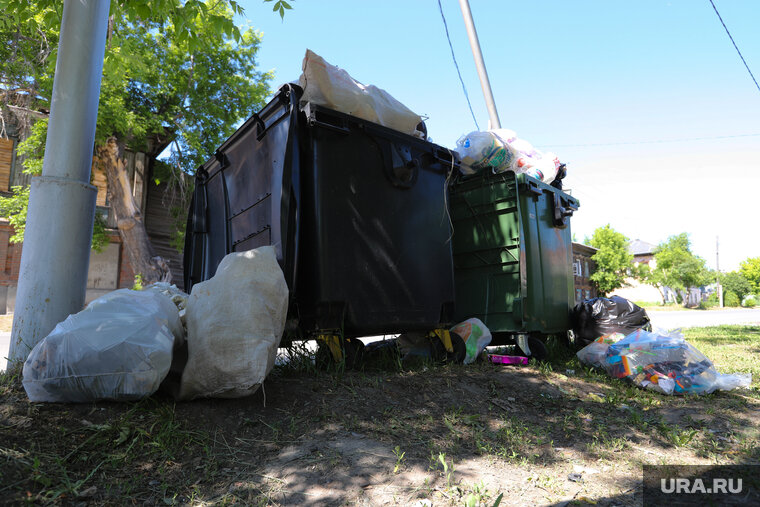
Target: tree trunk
[129,218]
[661,289]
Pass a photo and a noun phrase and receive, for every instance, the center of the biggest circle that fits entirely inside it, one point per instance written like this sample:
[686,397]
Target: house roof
[581,248]
[638,247]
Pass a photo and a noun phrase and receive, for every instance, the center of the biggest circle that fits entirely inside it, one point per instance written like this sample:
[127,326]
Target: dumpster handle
[562,209]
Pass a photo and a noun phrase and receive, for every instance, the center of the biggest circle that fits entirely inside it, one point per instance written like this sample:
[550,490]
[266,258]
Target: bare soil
[436,435]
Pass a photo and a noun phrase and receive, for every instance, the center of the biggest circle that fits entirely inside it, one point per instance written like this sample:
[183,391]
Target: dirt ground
[435,435]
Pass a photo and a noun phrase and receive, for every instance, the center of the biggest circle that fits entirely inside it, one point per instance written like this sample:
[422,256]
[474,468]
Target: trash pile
[500,150]
[601,316]
[220,341]
[659,361]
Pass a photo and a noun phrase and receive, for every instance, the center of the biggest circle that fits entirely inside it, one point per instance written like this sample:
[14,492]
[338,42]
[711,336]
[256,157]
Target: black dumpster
[356,211]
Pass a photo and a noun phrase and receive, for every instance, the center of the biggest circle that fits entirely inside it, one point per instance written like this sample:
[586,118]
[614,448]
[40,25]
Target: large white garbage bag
[330,86]
[235,321]
[118,348]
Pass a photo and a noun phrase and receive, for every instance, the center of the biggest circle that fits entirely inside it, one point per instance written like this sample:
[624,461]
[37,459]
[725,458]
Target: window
[577,268]
[578,295]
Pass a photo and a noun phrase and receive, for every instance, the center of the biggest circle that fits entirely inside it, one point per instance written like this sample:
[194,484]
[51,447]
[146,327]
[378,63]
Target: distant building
[583,267]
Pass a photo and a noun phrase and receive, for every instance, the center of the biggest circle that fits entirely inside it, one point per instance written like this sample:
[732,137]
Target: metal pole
[485,84]
[56,251]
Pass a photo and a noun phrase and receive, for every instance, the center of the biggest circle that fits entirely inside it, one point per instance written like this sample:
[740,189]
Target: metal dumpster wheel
[538,350]
[334,350]
[440,348]
[460,348]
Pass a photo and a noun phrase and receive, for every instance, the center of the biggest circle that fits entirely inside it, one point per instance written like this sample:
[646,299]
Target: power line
[446,27]
[734,43]
[653,141]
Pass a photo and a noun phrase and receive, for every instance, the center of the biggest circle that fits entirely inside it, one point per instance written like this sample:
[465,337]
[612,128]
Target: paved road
[698,318]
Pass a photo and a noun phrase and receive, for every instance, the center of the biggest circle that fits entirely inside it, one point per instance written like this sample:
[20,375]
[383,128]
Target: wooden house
[109,269]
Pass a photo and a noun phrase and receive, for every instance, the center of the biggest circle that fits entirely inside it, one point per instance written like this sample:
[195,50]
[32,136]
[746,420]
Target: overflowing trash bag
[118,348]
[660,361]
[600,316]
[500,150]
[332,87]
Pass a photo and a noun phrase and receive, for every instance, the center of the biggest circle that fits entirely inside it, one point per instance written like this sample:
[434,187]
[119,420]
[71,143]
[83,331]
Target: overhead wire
[734,43]
[466,96]
[652,141]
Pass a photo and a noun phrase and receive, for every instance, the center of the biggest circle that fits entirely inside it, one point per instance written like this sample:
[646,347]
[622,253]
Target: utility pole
[485,84]
[56,253]
[717,268]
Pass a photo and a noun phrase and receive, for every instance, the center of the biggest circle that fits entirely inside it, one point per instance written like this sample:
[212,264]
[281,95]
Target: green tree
[736,283]
[750,269]
[613,259]
[176,72]
[677,267]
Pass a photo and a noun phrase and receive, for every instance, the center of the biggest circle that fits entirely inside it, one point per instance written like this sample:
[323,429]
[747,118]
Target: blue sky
[647,102]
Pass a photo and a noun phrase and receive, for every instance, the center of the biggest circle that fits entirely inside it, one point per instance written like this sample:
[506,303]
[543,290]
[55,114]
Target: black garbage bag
[602,316]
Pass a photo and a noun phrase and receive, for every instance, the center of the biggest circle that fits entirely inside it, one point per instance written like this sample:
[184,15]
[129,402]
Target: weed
[448,474]
[677,436]
[399,458]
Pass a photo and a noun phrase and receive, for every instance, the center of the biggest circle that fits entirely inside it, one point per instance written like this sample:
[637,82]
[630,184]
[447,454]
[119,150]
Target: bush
[750,301]
[708,303]
[731,299]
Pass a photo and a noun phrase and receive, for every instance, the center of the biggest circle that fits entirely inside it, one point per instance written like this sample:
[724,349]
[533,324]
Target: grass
[731,348]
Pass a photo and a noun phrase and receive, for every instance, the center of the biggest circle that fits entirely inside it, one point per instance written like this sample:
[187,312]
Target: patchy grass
[730,348]
[452,434]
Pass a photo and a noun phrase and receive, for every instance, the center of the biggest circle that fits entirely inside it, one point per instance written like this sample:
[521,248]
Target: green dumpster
[512,250]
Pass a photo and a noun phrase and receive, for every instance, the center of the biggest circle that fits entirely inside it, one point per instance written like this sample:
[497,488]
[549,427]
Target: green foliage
[14,209]
[32,149]
[750,302]
[736,282]
[280,6]
[677,267]
[731,299]
[750,269]
[138,283]
[99,233]
[613,260]
[174,71]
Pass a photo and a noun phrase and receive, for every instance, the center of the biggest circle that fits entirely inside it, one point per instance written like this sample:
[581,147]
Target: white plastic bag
[487,150]
[235,321]
[330,86]
[500,150]
[118,348]
[476,337]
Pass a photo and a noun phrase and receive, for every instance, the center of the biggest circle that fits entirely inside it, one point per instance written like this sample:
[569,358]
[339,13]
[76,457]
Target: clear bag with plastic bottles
[660,361]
